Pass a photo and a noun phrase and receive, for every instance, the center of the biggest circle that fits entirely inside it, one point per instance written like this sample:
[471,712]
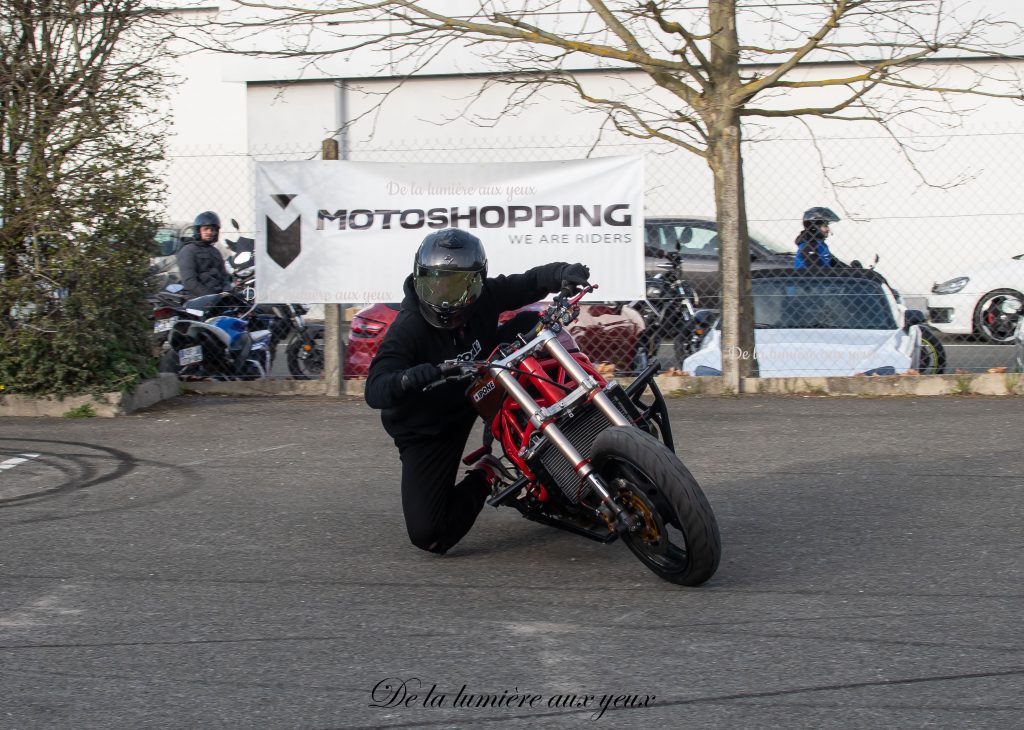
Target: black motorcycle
[285,322]
[667,309]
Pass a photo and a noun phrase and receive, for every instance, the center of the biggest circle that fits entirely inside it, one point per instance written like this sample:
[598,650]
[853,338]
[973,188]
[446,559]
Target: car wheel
[933,354]
[991,323]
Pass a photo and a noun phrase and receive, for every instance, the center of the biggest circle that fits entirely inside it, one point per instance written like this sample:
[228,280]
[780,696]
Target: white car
[975,301]
[834,323]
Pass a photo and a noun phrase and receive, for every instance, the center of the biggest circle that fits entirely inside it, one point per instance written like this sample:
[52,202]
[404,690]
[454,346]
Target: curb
[678,386]
[167,386]
[106,405]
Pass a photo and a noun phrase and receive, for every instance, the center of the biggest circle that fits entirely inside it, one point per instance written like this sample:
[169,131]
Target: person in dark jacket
[812,252]
[200,265]
[450,311]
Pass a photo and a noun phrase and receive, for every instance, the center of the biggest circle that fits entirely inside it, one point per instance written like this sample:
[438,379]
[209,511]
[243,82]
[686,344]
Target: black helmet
[206,218]
[448,276]
[814,216]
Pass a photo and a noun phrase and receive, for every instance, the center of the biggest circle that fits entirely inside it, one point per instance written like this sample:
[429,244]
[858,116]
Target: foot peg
[499,498]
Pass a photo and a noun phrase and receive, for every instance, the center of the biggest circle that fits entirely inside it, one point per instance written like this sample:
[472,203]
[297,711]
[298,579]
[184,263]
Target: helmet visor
[448,288]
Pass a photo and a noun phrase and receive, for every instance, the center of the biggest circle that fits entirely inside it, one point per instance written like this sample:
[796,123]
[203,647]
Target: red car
[606,333]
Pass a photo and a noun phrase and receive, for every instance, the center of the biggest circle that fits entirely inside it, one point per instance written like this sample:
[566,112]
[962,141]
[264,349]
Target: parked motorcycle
[219,348]
[168,306]
[305,342]
[667,309]
[583,454]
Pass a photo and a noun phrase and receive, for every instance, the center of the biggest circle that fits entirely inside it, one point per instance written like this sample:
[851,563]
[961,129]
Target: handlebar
[578,291]
[560,313]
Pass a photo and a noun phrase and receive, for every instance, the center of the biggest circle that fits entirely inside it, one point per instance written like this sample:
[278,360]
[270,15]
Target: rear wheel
[678,535]
[305,353]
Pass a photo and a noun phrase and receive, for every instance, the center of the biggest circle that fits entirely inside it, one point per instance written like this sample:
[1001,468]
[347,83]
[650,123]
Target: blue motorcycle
[218,348]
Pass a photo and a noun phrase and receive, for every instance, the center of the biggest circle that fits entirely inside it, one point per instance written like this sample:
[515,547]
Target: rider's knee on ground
[426,538]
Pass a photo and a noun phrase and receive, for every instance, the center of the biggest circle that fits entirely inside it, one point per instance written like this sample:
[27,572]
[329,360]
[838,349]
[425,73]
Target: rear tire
[679,539]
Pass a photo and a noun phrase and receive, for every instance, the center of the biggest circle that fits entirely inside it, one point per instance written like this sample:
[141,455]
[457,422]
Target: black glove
[577,274]
[420,376]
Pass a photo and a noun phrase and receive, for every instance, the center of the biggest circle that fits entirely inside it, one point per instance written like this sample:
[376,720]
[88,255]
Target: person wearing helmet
[200,264]
[812,252]
[450,311]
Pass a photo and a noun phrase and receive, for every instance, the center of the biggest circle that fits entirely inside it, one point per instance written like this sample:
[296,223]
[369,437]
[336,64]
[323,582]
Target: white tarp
[346,232]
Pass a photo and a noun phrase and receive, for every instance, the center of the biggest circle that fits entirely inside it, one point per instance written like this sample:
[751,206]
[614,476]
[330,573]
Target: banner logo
[284,244]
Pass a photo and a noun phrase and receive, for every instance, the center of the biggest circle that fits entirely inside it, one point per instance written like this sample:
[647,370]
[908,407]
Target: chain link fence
[929,225]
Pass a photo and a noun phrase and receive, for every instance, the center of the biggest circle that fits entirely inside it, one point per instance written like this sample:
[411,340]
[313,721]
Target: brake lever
[430,386]
[451,371]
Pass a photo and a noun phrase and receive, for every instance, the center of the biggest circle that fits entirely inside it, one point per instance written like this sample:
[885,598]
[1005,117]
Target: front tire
[306,354]
[678,538]
[933,354]
[990,322]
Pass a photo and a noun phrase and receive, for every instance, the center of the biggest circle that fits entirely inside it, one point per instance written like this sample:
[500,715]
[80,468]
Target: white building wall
[208,147]
[297,116]
[228,114]
[969,209]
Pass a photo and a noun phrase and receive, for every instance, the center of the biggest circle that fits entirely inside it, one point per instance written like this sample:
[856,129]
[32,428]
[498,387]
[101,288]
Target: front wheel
[306,353]
[677,537]
[992,321]
[933,354]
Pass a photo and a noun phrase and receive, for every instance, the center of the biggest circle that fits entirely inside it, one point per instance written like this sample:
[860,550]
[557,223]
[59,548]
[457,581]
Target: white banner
[346,232]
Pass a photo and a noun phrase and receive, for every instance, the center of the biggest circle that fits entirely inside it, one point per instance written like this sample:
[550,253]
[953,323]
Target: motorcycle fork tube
[616,515]
[574,369]
[548,428]
[609,507]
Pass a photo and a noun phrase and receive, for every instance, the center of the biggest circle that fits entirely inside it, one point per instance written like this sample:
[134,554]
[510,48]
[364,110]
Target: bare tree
[830,59]
[80,131]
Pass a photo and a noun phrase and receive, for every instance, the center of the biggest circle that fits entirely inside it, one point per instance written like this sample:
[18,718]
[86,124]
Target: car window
[689,240]
[769,244]
[821,303]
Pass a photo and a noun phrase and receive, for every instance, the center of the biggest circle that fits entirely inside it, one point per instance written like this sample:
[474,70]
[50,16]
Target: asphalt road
[966,354]
[242,563]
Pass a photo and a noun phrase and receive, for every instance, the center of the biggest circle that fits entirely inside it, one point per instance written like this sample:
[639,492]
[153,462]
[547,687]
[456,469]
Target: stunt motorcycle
[585,455]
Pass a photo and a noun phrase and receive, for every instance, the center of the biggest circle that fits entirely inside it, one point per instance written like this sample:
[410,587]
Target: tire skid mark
[80,471]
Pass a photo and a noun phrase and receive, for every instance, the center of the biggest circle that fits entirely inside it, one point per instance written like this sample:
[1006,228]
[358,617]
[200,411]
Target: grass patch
[83,411]
[962,386]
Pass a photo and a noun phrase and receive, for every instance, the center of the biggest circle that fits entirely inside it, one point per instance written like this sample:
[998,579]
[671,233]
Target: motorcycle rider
[450,311]
[200,264]
[812,252]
